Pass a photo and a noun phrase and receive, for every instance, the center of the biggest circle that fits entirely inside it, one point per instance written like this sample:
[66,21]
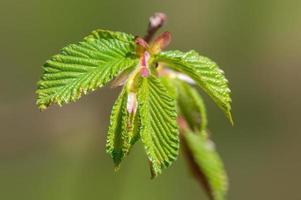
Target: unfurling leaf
[204,71]
[85,66]
[191,106]
[123,130]
[159,131]
[206,165]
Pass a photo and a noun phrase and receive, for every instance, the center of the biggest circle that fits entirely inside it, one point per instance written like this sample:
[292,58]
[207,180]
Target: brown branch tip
[156,21]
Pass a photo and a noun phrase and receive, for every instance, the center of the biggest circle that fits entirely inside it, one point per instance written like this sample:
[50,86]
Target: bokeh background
[59,154]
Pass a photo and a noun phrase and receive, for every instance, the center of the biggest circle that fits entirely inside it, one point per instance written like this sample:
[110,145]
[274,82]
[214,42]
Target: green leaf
[206,165]
[204,71]
[85,66]
[191,106]
[123,130]
[134,133]
[159,131]
[170,86]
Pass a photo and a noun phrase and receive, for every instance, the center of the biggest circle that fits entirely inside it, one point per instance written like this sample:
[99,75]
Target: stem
[155,22]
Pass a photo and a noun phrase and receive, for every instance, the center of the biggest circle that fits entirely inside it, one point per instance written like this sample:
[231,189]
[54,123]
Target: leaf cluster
[157,105]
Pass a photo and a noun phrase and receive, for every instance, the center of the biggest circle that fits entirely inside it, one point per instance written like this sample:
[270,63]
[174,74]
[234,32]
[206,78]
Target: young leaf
[191,106]
[206,164]
[204,71]
[85,66]
[159,131]
[170,86]
[123,130]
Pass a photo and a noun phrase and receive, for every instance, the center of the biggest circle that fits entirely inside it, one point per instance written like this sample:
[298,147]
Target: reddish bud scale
[144,66]
[141,46]
[143,49]
[161,42]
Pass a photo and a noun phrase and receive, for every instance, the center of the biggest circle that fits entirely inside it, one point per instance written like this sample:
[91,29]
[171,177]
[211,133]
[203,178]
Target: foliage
[156,102]
[85,66]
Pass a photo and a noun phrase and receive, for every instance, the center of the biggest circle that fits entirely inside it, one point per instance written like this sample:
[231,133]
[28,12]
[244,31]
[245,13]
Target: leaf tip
[41,106]
[116,167]
[154,170]
[230,118]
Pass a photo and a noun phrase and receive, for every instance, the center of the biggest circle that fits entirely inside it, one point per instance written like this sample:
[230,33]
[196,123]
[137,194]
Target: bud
[161,42]
[144,68]
[141,45]
[157,20]
[132,103]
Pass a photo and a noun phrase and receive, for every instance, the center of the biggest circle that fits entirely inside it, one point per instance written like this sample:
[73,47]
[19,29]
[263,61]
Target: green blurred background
[59,154]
